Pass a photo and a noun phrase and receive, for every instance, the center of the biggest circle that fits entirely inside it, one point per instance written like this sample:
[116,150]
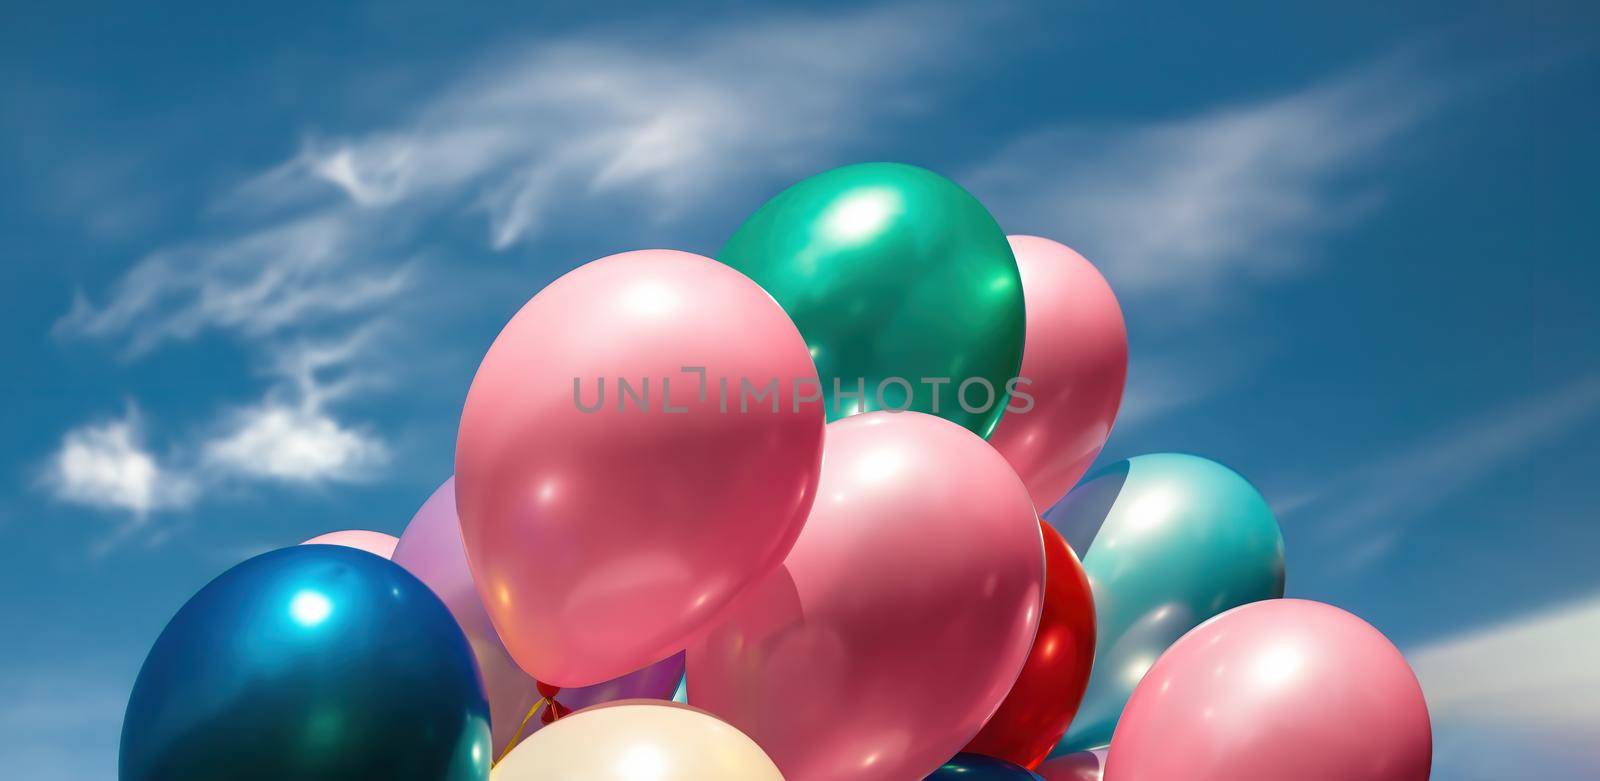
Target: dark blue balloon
[310,663]
[976,767]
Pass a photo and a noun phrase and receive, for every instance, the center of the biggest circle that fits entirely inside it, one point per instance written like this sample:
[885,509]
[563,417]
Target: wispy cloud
[327,246]
[1161,382]
[655,123]
[286,277]
[1419,478]
[105,464]
[1185,208]
[1185,213]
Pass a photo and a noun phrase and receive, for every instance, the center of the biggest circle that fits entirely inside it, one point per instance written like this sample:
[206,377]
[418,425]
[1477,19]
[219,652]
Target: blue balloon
[310,663]
[976,767]
[1168,541]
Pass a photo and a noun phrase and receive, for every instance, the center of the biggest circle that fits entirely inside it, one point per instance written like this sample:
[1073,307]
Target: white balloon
[637,740]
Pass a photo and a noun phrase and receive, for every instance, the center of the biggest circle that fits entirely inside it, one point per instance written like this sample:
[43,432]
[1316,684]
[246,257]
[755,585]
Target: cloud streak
[1516,699]
[1387,490]
[1183,215]
[1187,208]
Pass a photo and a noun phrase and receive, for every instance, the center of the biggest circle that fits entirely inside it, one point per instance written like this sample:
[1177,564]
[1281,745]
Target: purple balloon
[1078,766]
[431,548]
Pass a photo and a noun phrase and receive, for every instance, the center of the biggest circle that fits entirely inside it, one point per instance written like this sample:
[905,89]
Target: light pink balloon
[375,543]
[1280,689]
[1076,361]
[600,540]
[901,618]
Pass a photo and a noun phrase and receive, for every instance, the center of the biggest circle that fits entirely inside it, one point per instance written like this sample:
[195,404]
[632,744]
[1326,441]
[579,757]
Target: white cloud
[1534,674]
[637,124]
[294,443]
[105,465]
[290,436]
[1182,209]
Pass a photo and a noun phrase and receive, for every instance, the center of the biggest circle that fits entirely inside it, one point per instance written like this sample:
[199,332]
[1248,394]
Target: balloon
[431,549]
[635,740]
[316,663]
[1041,703]
[903,285]
[1080,766]
[375,543]
[1075,361]
[976,767]
[600,539]
[1176,539]
[1279,689]
[900,619]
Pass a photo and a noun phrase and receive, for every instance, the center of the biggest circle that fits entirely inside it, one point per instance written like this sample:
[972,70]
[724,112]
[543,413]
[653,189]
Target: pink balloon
[375,543]
[1076,361]
[1280,689]
[431,549]
[1077,766]
[901,618]
[601,539]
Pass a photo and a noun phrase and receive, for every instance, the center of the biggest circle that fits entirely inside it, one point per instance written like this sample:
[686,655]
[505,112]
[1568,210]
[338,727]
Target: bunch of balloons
[800,486]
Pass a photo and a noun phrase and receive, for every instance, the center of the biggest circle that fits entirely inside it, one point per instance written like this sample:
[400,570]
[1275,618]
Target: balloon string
[517,736]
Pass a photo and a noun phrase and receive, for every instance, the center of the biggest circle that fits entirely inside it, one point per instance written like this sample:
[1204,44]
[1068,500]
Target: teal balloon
[682,693]
[311,663]
[902,284]
[1168,541]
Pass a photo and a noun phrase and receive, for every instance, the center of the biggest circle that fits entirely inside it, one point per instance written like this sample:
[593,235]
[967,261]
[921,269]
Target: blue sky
[253,255]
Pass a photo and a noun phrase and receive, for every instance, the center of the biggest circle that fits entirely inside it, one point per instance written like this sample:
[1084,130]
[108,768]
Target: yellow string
[517,736]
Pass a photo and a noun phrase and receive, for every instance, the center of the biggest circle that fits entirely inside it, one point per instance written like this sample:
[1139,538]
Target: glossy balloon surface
[976,767]
[901,618]
[1075,361]
[1078,766]
[1285,688]
[601,537]
[314,663]
[1036,712]
[431,549]
[637,740]
[1176,539]
[892,271]
[375,543]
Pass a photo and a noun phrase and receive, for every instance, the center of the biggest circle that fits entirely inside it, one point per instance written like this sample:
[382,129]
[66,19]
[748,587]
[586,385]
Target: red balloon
[1041,704]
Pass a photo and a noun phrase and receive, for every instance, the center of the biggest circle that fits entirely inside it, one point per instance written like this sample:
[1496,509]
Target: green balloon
[902,284]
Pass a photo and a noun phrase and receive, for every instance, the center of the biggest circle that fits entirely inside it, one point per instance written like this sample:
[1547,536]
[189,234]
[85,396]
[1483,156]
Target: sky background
[252,256]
